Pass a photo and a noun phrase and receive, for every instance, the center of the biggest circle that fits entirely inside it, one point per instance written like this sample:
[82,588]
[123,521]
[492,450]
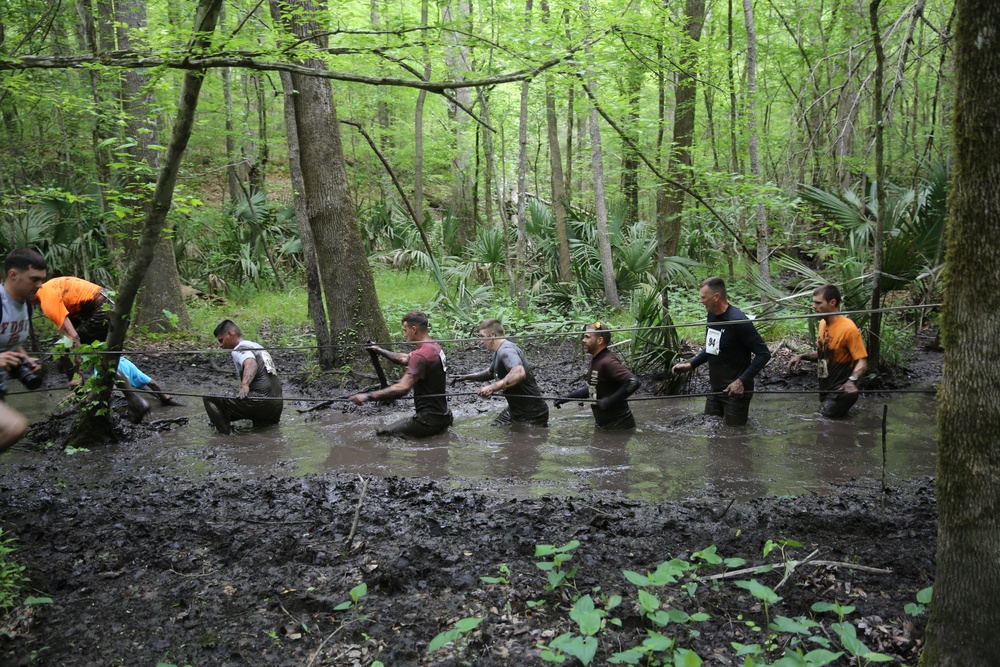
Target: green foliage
[12,577]
[356,593]
[461,630]
[919,607]
[554,570]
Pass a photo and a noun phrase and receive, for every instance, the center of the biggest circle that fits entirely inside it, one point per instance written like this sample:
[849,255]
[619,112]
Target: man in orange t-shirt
[841,358]
[79,308]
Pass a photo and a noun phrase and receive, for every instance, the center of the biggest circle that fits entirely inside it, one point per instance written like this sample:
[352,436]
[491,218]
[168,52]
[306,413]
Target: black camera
[28,377]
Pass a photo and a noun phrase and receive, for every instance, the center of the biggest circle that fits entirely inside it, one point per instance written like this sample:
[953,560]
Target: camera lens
[30,379]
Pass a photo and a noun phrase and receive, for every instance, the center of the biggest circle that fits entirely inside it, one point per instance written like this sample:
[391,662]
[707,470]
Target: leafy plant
[11,574]
[919,607]
[461,630]
[557,575]
[356,593]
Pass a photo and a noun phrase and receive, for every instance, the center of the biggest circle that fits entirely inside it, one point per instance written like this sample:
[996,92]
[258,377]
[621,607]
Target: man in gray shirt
[514,377]
[259,395]
[24,272]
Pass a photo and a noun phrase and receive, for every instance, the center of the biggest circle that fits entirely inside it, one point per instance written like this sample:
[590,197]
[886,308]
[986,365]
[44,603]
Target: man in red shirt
[426,374]
[841,358]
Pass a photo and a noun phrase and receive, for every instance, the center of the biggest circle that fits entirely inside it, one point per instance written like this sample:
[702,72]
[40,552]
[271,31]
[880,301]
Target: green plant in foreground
[11,574]
[357,593]
[919,607]
[504,577]
[557,576]
[461,630]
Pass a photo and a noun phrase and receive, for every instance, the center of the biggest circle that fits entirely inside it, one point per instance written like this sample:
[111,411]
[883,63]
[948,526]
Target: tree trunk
[874,334]
[763,242]
[462,182]
[418,123]
[161,291]
[685,95]
[352,305]
[558,191]
[521,253]
[632,92]
[95,424]
[601,212]
[965,612]
[556,168]
[314,288]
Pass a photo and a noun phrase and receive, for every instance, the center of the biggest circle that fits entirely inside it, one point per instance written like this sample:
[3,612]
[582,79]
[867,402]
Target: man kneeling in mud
[425,374]
[259,395]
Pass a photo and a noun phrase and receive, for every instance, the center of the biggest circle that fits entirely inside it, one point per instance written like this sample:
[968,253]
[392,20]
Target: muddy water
[785,449]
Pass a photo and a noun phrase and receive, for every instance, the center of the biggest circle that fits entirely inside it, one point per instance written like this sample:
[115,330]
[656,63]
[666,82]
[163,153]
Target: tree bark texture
[601,213]
[763,242]
[875,331]
[685,95]
[965,612]
[93,423]
[521,247]
[314,287]
[352,305]
[456,13]
[161,290]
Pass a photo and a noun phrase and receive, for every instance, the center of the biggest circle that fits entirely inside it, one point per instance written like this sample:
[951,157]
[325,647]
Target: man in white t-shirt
[24,272]
[259,395]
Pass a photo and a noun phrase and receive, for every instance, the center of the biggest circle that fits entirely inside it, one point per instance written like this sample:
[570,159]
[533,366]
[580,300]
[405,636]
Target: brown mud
[144,566]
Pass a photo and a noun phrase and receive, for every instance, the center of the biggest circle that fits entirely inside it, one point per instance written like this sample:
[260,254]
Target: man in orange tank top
[841,358]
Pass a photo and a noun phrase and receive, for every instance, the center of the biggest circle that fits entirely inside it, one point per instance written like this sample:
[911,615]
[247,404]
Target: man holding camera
[24,272]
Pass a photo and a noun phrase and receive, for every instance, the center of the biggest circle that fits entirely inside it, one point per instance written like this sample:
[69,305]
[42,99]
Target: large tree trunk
[558,191]
[521,249]
[601,212]
[556,170]
[462,181]
[418,123]
[763,236]
[161,292]
[94,422]
[632,92]
[352,305]
[965,612]
[685,95]
[875,332]
[314,287]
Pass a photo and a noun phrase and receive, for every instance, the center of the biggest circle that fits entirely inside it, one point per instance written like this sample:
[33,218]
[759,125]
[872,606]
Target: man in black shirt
[609,383]
[514,378]
[728,351]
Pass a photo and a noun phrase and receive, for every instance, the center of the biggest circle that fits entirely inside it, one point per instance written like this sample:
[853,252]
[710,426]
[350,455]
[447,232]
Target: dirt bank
[143,566]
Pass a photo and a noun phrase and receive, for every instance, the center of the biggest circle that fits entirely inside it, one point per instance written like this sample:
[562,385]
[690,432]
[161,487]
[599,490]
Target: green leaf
[759,591]
[636,578]
[686,658]
[734,562]
[441,639]
[586,616]
[467,625]
[657,643]
[925,595]
[493,580]
[582,648]
[821,657]
[746,649]
[629,657]
[344,605]
[30,600]
[359,591]
[648,602]
[799,626]
[849,639]
[914,609]
[708,555]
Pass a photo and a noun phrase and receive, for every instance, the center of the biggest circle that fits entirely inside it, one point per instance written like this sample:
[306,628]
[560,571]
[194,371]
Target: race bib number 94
[713,339]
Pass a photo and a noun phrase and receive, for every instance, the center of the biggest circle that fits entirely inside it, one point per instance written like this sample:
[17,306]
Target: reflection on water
[786,448]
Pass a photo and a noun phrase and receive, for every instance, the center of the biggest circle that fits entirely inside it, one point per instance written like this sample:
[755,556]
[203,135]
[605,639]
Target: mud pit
[144,565]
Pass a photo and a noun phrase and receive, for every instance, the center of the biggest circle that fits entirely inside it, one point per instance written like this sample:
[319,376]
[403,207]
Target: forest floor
[144,566]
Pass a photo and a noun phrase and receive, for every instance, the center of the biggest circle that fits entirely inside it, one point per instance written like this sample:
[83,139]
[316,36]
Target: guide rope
[529,335]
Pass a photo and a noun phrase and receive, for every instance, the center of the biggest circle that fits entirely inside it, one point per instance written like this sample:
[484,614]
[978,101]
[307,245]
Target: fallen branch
[357,510]
[768,568]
